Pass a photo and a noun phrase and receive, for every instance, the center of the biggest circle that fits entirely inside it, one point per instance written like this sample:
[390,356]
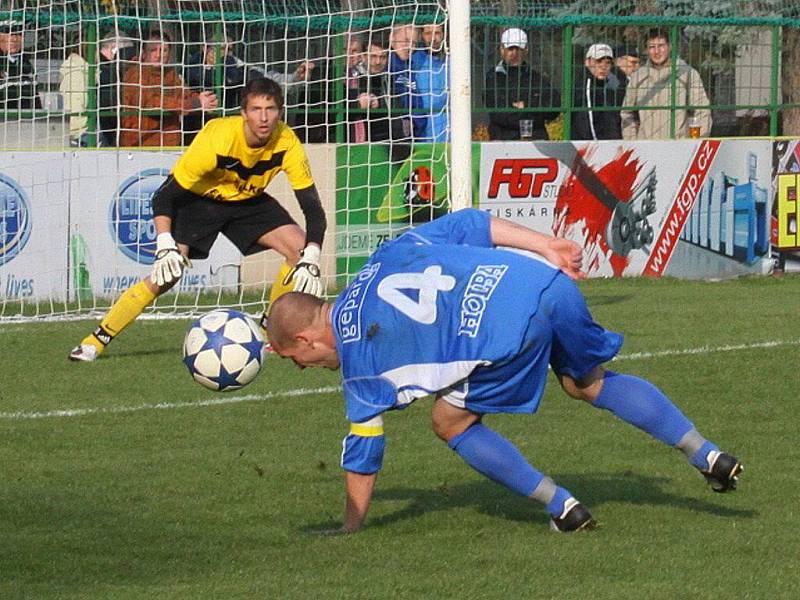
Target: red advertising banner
[679,208]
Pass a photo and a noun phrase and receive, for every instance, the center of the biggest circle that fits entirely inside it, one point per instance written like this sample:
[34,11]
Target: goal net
[86,137]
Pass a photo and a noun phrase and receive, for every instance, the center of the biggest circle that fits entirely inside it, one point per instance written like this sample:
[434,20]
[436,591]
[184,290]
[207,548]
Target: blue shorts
[578,343]
[561,333]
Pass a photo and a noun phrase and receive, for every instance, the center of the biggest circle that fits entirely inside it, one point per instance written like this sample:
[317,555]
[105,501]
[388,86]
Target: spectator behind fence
[372,98]
[513,84]
[200,70]
[74,74]
[17,80]
[402,43]
[151,85]
[302,73]
[356,61]
[627,60]
[356,73]
[651,85]
[597,86]
[430,83]
[116,54]
[199,73]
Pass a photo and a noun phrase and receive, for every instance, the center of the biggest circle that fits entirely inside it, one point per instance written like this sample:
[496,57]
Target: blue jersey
[400,77]
[440,311]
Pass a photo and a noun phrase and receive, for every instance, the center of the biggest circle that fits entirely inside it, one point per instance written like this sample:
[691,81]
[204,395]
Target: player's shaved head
[291,314]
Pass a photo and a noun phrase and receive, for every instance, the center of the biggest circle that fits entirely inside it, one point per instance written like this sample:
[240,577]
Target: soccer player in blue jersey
[443,310]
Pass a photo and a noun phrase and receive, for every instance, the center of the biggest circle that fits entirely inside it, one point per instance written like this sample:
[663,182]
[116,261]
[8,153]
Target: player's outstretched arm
[564,254]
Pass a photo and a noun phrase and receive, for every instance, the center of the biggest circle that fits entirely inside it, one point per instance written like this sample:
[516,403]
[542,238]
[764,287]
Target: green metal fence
[746,63]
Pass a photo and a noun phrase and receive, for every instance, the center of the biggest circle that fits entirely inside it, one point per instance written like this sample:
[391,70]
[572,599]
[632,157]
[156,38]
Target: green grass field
[125,479]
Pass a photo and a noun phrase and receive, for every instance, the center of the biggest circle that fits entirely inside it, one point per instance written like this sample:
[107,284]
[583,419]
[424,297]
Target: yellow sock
[124,312]
[279,288]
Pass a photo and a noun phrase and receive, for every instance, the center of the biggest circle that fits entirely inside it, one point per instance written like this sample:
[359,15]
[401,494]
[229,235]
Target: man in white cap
[512,84]
[597,86]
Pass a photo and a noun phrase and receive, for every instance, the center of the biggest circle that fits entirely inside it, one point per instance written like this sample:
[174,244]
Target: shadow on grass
[594,490]
[603,300]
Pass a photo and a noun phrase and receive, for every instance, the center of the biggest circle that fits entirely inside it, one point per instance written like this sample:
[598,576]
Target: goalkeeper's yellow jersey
[220,165]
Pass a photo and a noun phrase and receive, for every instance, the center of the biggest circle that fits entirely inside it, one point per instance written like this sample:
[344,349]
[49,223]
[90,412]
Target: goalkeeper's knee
[280,286]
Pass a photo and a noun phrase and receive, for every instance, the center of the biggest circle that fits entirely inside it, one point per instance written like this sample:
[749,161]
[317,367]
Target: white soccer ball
[224,350]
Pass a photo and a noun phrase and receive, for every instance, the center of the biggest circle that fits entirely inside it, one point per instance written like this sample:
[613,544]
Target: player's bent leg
[122,313]
[495,457]
[287,240]
[282,284]
[448,421]
[641,404]
[586,388]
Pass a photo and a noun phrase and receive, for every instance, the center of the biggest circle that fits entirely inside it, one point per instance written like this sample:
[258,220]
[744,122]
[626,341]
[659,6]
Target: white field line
[707,350]
[219,401]
[223,400]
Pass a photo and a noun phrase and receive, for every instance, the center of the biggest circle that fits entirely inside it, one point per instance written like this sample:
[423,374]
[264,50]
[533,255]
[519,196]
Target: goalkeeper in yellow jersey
[218,186]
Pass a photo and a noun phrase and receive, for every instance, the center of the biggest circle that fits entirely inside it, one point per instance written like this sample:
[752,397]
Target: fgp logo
[131,215]
[525,177]
[15,219]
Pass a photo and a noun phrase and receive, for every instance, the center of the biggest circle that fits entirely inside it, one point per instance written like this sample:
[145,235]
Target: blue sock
[696,449]
[556,506]
[698,459]
[643,405]
[495,457]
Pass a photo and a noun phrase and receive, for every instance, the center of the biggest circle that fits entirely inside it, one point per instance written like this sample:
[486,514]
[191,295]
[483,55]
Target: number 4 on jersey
[429,283]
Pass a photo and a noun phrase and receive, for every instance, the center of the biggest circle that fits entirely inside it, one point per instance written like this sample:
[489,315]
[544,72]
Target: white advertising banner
[80,224]
[686,208]
[113,233]
[34,218]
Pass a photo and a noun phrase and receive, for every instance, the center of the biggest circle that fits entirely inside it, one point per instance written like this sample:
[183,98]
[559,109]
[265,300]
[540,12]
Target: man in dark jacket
[513,84]
[370,102]
[17,82]
[116,52]
[596,87]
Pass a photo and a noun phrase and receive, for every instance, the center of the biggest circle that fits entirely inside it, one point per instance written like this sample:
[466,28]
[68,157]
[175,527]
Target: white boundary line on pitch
[82,412]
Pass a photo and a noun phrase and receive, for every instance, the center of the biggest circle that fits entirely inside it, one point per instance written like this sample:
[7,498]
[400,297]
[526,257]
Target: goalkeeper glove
[170,263]
[306,272]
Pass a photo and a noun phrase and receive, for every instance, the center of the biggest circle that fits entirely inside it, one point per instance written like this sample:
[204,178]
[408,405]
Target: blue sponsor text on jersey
[349,320]
[481,286]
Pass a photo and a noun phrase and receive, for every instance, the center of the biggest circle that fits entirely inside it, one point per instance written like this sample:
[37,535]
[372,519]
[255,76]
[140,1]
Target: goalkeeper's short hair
[262,86]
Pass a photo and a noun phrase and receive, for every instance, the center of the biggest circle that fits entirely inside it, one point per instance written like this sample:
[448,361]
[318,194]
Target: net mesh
[107,93]
[83,150]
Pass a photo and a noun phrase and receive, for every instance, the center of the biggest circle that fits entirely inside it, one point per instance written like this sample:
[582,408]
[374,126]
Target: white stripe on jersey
[418,380]
[456,396]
